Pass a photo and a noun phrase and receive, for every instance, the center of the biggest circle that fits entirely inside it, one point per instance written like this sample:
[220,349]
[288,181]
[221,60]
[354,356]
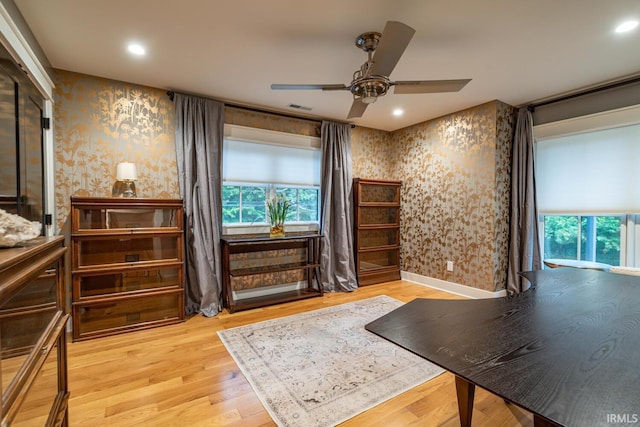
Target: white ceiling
[516,51]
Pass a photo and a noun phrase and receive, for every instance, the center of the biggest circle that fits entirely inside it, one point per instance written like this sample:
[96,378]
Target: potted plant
[277,208]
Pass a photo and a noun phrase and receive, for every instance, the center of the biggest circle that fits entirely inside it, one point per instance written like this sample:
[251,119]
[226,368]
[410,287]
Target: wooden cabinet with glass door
[33,355]
[377,230]
[127,264]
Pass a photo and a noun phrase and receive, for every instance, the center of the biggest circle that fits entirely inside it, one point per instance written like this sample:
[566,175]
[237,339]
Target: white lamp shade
[126,171]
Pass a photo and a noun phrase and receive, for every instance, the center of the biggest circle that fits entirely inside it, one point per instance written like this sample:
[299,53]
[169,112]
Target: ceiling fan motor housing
[369,88]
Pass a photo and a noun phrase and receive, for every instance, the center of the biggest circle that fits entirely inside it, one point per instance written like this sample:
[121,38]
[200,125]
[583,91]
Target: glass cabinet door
[124,250]
[378,237]
[95,285]
[22,320]
[8,152]
[98,316]
[379,216]
[374,193]
[21,149]
[91,218]
[370,261]
[36,407]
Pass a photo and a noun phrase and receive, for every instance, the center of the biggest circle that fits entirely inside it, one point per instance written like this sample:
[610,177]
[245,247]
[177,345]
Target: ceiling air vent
[299,107]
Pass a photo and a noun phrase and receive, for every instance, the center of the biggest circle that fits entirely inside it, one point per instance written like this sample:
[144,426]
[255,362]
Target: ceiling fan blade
[357,109]
[429,86]
[308,87]
[393,42]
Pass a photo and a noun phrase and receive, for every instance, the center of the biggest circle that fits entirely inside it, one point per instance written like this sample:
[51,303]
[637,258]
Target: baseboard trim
[450,287]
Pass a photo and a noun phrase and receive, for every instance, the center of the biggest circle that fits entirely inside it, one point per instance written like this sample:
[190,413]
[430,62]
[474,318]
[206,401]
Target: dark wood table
[567,350]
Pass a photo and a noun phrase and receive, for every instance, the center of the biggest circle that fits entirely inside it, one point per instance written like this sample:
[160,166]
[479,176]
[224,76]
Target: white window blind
[279,162]
[594,172]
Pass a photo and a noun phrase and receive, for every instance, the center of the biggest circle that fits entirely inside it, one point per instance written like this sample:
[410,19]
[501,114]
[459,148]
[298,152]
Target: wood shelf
[378,248]
[271,269]
[379,227]
[281,297]
[256,263]
[379,204]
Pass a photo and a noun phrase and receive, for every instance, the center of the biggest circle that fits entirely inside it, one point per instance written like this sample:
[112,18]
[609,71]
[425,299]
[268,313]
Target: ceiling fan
[372,79]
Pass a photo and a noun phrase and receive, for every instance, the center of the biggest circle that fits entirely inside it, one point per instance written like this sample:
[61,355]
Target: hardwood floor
[181,375]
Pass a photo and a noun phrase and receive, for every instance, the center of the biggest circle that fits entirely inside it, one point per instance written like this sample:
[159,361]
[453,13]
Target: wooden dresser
[33,349]
[377,230]
[127,264]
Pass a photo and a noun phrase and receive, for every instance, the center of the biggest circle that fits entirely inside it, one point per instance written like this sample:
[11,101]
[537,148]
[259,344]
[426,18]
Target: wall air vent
[299,107]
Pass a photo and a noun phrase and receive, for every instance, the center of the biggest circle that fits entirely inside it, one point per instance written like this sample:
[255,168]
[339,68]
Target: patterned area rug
[322,367]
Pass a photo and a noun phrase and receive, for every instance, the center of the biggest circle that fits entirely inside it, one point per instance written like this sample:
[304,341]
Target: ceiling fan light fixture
[370,99]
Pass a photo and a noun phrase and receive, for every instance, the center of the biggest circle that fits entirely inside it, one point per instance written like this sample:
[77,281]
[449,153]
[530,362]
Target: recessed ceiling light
[398,112]
[136,49]
[626,26]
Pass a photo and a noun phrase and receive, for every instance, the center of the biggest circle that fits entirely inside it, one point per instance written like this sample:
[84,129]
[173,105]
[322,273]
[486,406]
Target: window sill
[230,230]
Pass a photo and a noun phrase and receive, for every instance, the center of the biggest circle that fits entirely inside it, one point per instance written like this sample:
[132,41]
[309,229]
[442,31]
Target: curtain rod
[171,95]
[532,107]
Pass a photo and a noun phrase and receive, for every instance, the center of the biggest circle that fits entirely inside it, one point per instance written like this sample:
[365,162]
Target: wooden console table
[259,270]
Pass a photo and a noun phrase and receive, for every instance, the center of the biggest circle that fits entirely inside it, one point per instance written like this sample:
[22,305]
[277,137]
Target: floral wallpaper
[247,117]
[455,191]
[505,126]
[455,169]
[100,123]
[373,154]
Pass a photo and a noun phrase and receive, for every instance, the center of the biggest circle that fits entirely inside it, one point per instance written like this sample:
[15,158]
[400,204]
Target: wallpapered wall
[455,191]
[99,123]
[456,178]
[455,169]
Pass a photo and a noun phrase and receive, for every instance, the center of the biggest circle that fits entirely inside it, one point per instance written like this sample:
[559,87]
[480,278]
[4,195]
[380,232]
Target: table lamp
[125,177]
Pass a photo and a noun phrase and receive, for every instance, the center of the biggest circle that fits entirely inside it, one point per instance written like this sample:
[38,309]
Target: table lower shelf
[280,297]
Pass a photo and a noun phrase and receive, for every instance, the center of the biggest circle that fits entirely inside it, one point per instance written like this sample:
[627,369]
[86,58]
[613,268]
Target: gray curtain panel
[524,243]
[337,268]
[199,127]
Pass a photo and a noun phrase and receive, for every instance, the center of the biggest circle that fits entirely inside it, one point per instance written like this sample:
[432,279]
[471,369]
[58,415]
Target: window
[257,162]
[586,181]
[589,238]
[243,204]
[305,203]
[246,203]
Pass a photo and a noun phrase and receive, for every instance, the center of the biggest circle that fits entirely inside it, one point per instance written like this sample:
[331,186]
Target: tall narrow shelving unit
[377,230]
